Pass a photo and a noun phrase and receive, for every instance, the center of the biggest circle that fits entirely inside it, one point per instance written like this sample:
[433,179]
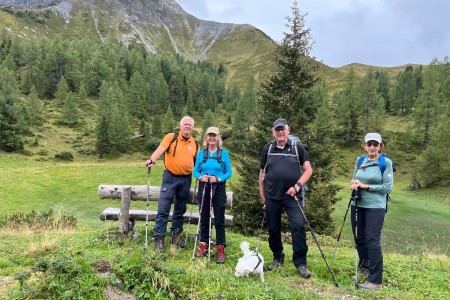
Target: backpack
[219,158]
[295,140]
[175,139]
[381,165]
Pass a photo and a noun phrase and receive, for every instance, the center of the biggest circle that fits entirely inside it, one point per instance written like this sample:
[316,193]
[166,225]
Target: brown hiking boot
[176,239]
[201,250]
[159,244]
[369,286]
[220,254]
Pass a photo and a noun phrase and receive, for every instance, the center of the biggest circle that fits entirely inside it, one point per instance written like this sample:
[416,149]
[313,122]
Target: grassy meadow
[39,261]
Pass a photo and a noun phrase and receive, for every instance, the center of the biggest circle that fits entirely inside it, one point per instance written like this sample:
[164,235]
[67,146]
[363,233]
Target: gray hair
[187,118]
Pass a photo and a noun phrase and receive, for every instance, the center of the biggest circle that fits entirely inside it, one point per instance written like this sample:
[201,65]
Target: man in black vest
[280,179]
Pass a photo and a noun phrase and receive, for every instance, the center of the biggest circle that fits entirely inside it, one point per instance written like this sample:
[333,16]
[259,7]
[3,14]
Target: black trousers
[368,241]
[274,209]
[219,202]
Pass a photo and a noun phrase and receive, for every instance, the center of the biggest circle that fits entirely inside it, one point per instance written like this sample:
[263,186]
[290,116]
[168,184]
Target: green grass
[415,242]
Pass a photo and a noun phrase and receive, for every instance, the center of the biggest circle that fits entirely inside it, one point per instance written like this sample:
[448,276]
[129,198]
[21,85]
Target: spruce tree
[346,108]
[34,105]
[288,93]
[82,95]
[434,166]
[62,90]
[208,121]
[427,107]
[10,131]
[168,124]
[102,142]
[404,92]
[156,127]
[384,88]
[137,95]
[371,106]
[120,128]
[9,63]
[70,111]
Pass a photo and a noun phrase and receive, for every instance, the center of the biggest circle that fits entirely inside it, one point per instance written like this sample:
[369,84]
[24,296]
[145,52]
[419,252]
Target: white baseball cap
[373,136]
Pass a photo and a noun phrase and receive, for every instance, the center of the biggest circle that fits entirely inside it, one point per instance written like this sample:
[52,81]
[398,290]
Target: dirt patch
[113,293]
[6,283]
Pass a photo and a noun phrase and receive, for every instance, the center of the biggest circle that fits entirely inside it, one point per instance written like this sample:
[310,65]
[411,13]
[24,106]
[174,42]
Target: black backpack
[219,158]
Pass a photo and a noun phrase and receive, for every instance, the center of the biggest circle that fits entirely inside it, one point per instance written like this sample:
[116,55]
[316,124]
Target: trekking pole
[260,230]
[340,231]
[192,207]
[148,197]
[355,196]
[210,223]
[199,219]
[315,240]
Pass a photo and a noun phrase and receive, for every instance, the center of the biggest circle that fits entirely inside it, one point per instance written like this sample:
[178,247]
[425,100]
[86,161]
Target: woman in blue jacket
[372,181]
[212,169]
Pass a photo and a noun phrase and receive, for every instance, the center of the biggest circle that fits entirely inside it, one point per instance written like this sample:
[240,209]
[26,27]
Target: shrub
[65,155]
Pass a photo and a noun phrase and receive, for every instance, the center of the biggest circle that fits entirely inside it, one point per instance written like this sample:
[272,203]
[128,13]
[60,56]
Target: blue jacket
[212,166]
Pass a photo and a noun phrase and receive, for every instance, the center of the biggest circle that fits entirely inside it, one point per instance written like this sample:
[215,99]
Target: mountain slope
[158,25]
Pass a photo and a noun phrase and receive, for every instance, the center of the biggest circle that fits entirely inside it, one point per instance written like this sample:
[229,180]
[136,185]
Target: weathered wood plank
[125,225]
[139,192]
[112,213]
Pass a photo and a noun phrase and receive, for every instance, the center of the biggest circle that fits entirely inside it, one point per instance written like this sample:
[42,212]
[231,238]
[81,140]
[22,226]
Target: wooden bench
[127,216]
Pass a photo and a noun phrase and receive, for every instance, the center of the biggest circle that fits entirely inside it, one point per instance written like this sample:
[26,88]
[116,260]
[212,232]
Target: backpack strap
[382,163]
[219,158]
[175,139]
[360,161]
[267,156]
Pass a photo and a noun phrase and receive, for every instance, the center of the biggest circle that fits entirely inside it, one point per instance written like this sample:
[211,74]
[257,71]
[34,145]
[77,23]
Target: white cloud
[218,7]
[375,32]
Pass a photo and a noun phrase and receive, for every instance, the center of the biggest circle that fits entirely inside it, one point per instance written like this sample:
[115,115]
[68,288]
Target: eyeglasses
[279,129]
[375,144]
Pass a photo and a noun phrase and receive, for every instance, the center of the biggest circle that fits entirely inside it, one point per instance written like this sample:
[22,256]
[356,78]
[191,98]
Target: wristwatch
[299,184]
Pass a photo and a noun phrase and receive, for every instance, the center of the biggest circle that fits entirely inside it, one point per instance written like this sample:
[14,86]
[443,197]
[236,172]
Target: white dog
[251,262]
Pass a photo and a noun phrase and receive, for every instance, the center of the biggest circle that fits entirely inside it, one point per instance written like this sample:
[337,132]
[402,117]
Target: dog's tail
[245,247]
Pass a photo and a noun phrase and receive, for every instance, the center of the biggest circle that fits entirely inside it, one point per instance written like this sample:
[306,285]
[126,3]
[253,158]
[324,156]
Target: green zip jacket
[381,184]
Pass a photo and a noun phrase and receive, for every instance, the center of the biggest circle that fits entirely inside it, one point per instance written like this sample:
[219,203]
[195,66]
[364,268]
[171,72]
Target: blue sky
[374,32]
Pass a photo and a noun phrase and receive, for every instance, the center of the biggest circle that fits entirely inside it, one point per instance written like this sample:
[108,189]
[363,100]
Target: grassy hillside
[415,241]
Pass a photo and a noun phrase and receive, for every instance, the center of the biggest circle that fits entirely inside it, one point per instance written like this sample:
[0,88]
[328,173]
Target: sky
[382,33]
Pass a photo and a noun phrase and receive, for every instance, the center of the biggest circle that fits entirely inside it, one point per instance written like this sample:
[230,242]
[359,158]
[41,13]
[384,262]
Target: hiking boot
[220,254]
[303,271]
[364,271]
[276,263]
[176,239]
[369,286]
[202,247]
[159,244]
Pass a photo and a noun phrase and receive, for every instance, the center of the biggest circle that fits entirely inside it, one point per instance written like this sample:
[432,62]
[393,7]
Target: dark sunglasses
[375,144]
